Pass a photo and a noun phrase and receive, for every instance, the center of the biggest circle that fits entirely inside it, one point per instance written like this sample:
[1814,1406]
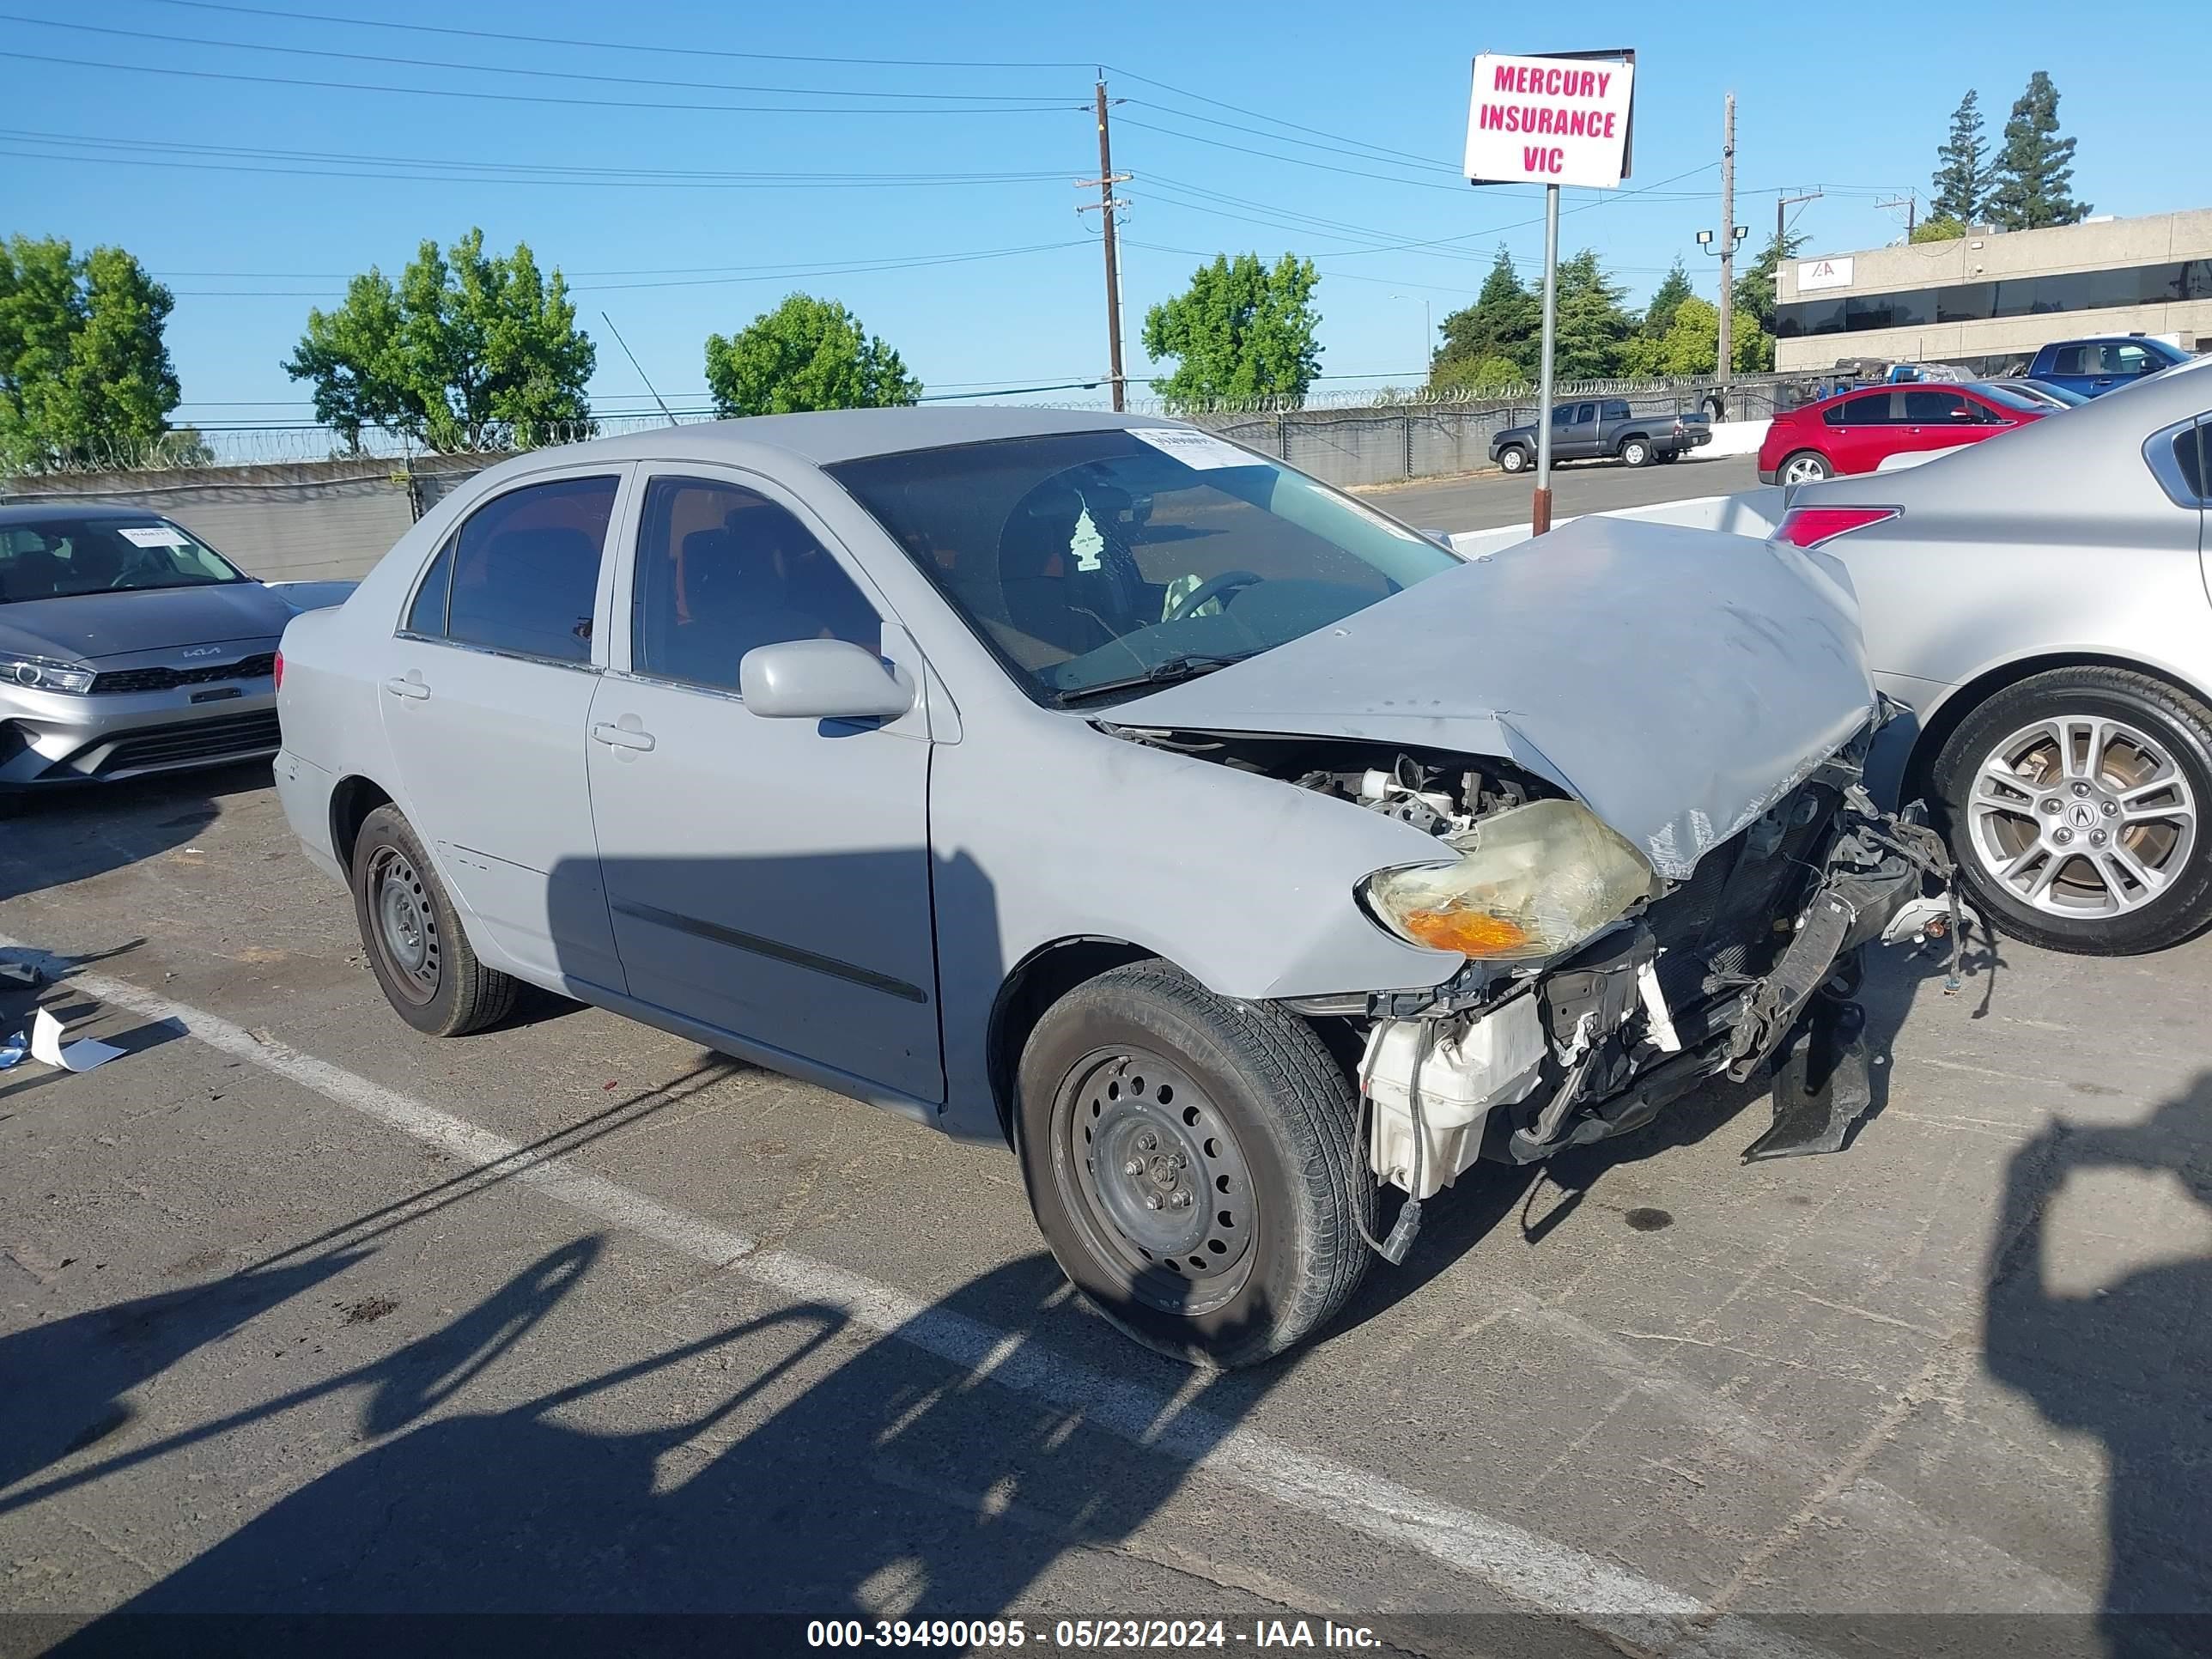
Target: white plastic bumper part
[1471,1067]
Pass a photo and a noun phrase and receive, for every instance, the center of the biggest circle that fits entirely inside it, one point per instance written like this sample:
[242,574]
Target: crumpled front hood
[1677,682]
[89,626]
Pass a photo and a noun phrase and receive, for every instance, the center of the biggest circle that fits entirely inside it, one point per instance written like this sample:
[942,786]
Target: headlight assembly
[45,674]
[1531,882]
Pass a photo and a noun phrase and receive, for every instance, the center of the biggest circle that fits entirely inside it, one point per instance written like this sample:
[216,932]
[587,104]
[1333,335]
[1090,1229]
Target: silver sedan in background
[129,647]
[2040,601]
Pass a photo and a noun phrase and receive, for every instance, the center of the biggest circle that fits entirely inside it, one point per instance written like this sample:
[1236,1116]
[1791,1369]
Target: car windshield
[1098,563]
[62,558]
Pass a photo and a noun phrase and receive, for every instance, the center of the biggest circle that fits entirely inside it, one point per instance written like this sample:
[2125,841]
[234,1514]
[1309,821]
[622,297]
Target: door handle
[620,737]
[410,687]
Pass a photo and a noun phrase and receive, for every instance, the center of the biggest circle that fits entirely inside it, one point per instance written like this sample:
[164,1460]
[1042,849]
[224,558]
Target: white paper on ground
[154,535]
[80,1056]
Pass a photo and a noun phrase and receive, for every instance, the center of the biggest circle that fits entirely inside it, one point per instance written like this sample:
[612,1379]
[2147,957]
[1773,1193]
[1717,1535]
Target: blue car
[2094,367]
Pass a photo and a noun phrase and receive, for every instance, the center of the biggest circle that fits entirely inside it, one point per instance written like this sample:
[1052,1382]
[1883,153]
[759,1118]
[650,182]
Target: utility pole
[1781,225]
[1107,206]
[1911,202]
[1728,241]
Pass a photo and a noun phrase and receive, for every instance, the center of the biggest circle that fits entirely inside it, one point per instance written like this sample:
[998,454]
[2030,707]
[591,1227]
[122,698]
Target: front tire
[2074,802]
[1513,458]
[1805,466]
[422,959]
[1636,451]
[1193,1164]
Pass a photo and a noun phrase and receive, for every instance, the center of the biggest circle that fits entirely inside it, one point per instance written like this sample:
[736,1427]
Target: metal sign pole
[1539,511]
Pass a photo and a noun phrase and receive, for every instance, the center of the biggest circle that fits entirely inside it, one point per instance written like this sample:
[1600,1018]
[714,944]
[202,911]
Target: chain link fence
[281,504]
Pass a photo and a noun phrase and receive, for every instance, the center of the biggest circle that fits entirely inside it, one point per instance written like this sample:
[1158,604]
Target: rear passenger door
[768,878]
[493,672]
[1860,431]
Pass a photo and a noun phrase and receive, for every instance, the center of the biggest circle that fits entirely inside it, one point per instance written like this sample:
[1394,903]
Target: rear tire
[1513,458]
[422,959]
[1805,466]
[2105,855]
[1193,1162]
[1668,457]
[1636,451]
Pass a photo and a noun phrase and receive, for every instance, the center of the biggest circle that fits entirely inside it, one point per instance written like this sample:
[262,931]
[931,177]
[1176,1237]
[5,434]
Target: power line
[543,74]
[146,152]
[687,51]
[523,97]
[1295,160]
[1260,115]
[1284,139]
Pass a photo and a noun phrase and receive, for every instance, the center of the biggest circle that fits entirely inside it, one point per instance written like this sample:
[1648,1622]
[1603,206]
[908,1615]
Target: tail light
[1808,527]
[280,671]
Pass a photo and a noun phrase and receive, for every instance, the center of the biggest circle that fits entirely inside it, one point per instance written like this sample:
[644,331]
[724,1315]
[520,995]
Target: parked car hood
[1677,682]
[89,626]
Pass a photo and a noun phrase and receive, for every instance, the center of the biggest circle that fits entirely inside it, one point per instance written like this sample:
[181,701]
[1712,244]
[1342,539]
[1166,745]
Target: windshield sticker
[153,534]
[1201,450]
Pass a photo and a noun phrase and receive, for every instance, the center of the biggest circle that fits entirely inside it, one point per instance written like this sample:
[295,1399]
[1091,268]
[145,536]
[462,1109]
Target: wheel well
[1040,980]
[351,803]
[1921,765]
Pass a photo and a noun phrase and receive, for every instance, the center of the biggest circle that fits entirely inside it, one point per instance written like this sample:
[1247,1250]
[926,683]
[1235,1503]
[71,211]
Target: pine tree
[1666,300]
[1504,323]
[1962,173]
[2033,177]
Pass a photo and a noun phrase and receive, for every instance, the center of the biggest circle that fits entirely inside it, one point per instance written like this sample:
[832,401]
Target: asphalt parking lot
[1486,501]
[300,1313]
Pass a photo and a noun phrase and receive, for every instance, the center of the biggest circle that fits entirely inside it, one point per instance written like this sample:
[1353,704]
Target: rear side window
[721,569]
[1616,412]
[2070,359]
[522,574]
[1872,409]
[2189,454]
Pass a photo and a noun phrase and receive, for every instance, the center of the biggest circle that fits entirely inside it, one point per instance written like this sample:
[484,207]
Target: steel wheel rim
[1803,469]
[2082,816]
[1129,1127]
[1635,454]
[1511,461]
[404,923]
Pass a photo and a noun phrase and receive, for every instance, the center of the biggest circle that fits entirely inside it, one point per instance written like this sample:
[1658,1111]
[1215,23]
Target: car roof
[81,512]
[827,436]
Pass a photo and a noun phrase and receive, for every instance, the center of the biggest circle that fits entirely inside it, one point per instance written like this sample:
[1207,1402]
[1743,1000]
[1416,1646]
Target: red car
[1856,431]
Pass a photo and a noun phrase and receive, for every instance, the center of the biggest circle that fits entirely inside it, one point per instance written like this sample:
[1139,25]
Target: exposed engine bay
[1526,1052]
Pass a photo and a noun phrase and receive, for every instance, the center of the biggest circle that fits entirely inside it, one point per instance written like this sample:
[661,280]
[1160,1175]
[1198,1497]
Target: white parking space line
[1541,1574]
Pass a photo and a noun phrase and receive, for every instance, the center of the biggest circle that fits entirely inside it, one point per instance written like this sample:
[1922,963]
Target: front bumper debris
[1757,962]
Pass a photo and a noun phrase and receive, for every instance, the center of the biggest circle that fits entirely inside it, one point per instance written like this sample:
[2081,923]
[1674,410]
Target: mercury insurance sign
[1549,121]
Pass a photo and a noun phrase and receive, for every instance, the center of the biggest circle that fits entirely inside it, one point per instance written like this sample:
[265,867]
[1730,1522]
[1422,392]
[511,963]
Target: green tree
[1692,344]
[1478,375]
[466,351]
[805,354]
[1755,289]
[1962,174]
[1505,323]
[84,373]
[1240,331]
[1941,228]
[2032,181]
[1666,299]
[1593,327]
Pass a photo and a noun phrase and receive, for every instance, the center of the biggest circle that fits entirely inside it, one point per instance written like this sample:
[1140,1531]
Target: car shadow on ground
[64,836]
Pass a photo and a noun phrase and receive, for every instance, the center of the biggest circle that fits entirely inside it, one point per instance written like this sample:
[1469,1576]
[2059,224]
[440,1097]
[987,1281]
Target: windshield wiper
[1183,665]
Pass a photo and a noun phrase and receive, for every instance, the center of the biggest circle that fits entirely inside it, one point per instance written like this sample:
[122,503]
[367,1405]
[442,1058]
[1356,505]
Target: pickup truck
[1603,427]
[2094,367]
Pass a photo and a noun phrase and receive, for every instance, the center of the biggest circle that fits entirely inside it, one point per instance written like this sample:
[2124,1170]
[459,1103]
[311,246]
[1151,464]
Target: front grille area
[164,679]
[232,736]
[1721,920]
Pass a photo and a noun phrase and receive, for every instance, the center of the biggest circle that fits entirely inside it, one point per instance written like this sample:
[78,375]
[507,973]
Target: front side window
[64,558]
[2131,359]
[1585,412]
[721,569]
[1101,562]
[1936,409]
[522,574]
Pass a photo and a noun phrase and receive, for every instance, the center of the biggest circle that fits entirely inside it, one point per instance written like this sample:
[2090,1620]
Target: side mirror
[1965,412]
[820,680]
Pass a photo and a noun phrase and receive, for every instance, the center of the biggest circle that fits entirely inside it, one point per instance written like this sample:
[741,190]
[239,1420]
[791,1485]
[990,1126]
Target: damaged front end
[1756,955]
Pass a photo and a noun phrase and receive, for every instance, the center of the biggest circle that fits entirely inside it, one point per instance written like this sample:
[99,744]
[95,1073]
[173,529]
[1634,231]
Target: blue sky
[1332,130]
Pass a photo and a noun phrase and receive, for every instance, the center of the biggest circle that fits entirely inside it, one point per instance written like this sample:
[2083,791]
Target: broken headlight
[1531,882]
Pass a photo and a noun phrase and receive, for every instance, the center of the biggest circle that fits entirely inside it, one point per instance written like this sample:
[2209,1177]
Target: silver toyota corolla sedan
[129,647]
[2040,603]
[1094,784]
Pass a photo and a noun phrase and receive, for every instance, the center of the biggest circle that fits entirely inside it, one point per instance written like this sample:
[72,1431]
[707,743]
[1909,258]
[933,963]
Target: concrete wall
[2116,243]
